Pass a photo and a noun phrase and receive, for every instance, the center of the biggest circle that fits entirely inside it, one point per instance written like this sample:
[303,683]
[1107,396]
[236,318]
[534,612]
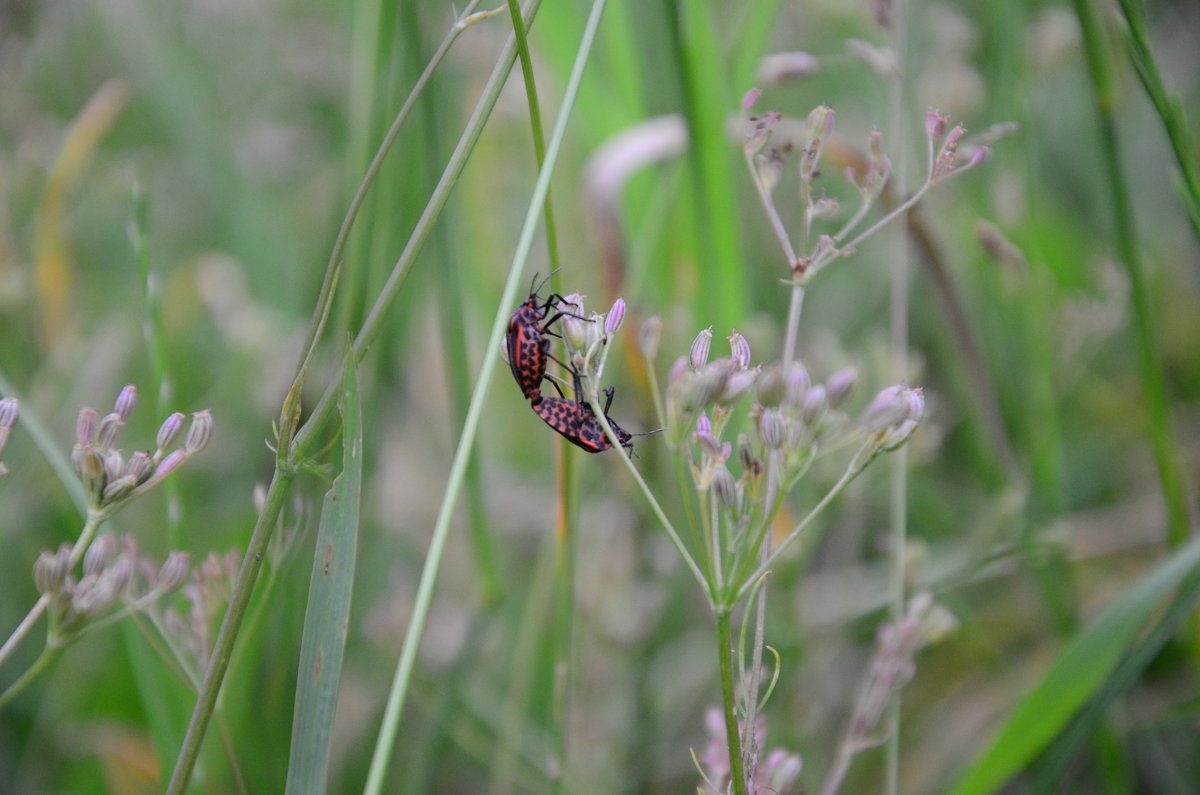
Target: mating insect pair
[528,345]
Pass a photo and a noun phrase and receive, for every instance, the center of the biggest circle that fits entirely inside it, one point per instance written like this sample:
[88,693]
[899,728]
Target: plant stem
[732,735]
[49,654]
[239,598]
[852,471]
[1153,387]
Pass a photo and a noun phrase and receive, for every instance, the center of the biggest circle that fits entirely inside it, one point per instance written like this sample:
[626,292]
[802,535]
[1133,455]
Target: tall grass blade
[328,613]
[1079,672]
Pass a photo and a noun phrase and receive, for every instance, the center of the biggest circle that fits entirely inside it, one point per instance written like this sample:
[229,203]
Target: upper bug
[527,343]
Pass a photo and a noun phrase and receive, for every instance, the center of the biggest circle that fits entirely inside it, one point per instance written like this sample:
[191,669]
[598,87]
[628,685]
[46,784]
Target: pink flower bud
[99,554]
[8,412]
[174,572]
[980,154]
[698,356]
[888,408]
[612,321]
[739,349]
[85,426]
[108,430]
[125,401]
[169,430]
[935,125]
[749,98]
[199,432]
[840,385]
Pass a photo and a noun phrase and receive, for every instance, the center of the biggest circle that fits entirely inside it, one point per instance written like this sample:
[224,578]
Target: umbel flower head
[110,479]
[112,572]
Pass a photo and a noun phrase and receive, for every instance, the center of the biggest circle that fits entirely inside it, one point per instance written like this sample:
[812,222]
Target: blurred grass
[248,127]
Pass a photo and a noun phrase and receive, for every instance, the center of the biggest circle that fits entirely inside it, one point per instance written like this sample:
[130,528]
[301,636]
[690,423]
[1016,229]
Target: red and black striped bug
[576,422]
[528,345]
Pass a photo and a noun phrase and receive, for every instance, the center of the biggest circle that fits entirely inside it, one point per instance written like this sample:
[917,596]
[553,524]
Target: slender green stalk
[852,471]
[416,627]
[49,654]
[325,298]
[900,274]
[733,739]
[1128,251]
[239,599]
[1169,108]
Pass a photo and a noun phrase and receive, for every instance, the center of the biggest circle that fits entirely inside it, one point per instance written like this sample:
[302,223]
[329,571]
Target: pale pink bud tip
[125,401]
[955,134]
[99,554]
[739,349]
[85,426]
[935,124]
[8,412]
[173,461]
[612,321]
[750,98]
[199,432]
[173,572]
[169,430]
[698,356]
[980,155]
[888,408]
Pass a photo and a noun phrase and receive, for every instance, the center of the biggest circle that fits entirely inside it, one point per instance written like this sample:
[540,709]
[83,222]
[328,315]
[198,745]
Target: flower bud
[768,166]
[781,67]
[772,428]
[935,125]
[99,554]
[107,430]
[199,432]
[795,385]
[679,370]
[169,430]
[815,403]
[114,465]
[119,575]
[139,467]
[710,446]
[703,388]
[769,387]
[174,572]
[649,335]
[698,356]
[87,461]
[888,408]
[739,349]
[8,412]
[169,464]
[125,401]
[85,426]
[745,453]
[758,131]
[840,385]
[724,487]
[737,385]
[612,321]
[51,568]
[749,98]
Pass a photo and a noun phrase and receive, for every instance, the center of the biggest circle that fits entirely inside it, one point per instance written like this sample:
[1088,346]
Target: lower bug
[579,426]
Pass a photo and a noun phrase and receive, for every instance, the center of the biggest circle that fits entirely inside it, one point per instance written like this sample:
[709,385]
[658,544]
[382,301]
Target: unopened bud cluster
[587,336]
[110,479]
[206,593]
[791,418]
[112,572]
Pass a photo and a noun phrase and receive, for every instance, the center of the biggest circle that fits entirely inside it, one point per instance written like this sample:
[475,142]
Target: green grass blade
[328,612]
[416,628]
[1080,671]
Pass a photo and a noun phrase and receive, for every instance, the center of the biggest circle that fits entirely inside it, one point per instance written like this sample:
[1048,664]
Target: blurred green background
[1033,494]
